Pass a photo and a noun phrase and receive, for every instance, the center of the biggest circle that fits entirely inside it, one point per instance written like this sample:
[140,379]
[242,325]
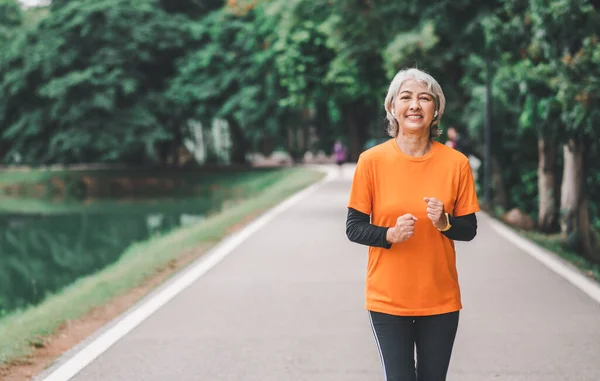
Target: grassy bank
[21,330]
[199,183]
[37,175]
[87,183]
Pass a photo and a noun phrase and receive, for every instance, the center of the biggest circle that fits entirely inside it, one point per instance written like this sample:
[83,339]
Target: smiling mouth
[414,117]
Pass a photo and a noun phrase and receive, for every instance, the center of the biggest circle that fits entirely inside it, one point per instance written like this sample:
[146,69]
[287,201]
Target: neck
[414,145]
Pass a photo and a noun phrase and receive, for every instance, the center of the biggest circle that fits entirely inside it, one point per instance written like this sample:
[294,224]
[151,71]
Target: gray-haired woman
[411,198]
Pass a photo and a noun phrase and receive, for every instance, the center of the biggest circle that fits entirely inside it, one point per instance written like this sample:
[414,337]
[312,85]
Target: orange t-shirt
[417,276]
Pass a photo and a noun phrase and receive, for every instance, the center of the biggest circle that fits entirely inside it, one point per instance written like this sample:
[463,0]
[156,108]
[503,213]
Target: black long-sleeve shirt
[360,230]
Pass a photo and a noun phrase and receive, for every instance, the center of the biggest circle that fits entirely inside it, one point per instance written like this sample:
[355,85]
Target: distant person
[411,197]
[456,141]
[340,152]
[451,142]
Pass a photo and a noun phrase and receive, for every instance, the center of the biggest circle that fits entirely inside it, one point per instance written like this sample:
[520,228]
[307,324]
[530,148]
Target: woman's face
[414,108]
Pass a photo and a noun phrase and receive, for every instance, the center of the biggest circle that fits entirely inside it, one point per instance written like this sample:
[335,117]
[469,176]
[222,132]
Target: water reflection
[44,253]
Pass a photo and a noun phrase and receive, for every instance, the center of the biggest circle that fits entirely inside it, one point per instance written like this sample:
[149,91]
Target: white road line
[95,348]
[567,271]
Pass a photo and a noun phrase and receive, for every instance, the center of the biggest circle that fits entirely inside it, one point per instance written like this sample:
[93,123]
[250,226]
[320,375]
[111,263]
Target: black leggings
[397,336]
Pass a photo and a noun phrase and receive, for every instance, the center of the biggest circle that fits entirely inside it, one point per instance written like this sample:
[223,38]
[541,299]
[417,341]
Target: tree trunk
[500,193]
[167,150]
[322,124]
[571,187]
[303,132]
[353,139]
[357,130]
[575,223]
[211,156]
[492,174]
[587,237]
[293,140]
[239,145]
[546,185]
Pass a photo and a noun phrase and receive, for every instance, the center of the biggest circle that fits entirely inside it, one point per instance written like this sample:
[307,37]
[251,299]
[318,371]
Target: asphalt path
[288,304]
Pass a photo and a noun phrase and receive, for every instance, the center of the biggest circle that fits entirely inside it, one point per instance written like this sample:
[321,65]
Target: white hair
[432,86]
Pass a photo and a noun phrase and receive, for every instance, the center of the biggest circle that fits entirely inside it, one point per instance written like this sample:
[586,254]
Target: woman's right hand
[404,229]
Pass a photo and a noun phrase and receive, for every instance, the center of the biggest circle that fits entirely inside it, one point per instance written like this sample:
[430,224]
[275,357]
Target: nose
[414,104]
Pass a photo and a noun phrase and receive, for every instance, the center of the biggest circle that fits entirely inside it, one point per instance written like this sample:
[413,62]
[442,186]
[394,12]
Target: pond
[47,244]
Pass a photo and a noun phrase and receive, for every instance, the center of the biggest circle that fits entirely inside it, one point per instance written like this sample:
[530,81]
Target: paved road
[288,305]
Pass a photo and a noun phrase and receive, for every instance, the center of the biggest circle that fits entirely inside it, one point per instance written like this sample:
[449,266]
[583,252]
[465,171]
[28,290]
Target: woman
[411,198]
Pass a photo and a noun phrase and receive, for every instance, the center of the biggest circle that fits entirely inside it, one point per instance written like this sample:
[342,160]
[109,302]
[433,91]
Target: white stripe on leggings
[378,346]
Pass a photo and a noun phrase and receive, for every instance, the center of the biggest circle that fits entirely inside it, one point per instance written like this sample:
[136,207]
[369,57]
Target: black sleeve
[360,230]
[464,228]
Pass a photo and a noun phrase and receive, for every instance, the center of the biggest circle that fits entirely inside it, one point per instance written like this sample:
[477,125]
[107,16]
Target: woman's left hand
[435,212]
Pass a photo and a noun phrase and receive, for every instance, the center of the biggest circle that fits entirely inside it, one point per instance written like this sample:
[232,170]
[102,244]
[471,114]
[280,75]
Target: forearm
[464,228]
[360,230]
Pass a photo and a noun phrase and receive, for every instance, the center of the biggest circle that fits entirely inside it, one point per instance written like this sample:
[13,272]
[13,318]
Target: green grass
[29,176]
[20,330]
[36,175]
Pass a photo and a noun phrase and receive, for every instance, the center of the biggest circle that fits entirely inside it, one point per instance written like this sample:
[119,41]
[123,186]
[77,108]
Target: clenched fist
[436,213]
[404,229]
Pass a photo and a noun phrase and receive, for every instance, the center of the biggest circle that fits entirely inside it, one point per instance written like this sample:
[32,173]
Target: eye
[425,98]
[405,97]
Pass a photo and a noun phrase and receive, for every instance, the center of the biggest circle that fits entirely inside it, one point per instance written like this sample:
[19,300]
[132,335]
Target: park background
[132,131]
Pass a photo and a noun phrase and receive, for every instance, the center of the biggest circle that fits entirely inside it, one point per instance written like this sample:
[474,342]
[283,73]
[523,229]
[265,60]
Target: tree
[357,33]
[537,114]
[231,77]
[85,86]
[303,59]
[566,35]
[579,88]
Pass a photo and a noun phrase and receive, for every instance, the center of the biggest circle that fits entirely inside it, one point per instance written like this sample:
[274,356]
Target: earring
[435,114]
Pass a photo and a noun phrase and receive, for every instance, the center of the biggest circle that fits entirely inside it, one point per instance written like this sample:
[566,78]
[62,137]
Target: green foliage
[302,61]
[409,47]
[85,85]
[565,33]
[93,83]
[230,76]
[33,16]
[11,17]
[358,32]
